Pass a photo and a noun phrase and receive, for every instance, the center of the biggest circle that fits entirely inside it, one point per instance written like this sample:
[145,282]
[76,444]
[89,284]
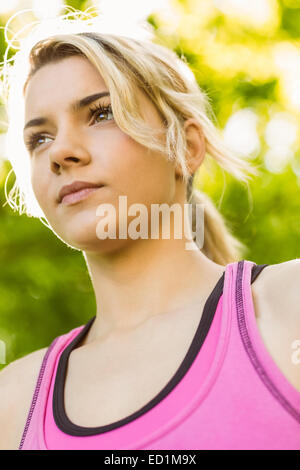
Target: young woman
[189,348]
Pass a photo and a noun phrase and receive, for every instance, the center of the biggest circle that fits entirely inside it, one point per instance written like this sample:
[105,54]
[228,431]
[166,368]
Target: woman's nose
[67,152]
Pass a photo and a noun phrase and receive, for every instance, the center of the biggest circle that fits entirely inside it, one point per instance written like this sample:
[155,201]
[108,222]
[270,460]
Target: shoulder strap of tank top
[43,382]
[256,270]
[254,346]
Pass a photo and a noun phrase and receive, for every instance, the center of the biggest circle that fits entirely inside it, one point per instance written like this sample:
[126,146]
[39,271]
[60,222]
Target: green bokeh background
[45,289]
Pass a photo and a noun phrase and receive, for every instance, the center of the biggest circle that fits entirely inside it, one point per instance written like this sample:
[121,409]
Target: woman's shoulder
[292,265]
[276,297]
[278,286]
[17,385]
[20,370]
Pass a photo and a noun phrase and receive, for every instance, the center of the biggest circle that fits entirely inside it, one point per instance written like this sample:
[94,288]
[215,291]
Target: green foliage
[77,4]
[45,289]
[290,21]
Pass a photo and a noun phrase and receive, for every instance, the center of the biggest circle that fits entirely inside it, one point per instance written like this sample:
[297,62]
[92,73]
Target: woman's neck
[147,278]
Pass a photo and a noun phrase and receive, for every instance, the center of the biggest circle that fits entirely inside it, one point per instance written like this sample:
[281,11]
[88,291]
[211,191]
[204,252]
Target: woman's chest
[122,377]
[118,380]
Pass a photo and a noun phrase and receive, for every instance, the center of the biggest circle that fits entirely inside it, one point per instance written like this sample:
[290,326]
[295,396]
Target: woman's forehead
[56,85]
[71,71]
[65,80]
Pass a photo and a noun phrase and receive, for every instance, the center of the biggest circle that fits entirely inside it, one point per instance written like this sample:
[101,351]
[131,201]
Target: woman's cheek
[40,186]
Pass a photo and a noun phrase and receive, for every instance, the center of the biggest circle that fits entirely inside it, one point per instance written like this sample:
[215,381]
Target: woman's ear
[196,146]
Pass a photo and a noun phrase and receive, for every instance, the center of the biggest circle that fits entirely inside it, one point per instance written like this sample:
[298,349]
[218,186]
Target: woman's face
[85,144]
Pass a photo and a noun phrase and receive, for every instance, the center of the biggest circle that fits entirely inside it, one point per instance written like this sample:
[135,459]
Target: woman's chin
[86,236]
[96,246]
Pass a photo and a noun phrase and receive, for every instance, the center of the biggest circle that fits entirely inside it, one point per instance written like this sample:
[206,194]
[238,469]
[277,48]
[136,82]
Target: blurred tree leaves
[290,19]
[45,289]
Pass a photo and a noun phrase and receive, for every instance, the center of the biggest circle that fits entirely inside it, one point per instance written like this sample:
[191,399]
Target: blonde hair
[126,63]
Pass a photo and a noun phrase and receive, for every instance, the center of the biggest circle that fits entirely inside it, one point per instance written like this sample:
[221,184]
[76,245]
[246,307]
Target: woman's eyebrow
[74,107]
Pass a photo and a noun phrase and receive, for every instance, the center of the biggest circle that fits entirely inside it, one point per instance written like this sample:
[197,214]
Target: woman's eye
[101,113]
[98,114]
[41,138]
[34,141]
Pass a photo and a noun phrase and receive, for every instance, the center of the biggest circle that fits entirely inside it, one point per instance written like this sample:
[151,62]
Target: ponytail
[219,244]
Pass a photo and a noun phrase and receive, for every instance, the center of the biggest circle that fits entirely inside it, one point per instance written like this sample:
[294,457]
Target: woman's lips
[78,195]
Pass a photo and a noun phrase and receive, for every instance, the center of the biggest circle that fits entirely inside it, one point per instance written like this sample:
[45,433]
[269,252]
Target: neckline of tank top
[59,414]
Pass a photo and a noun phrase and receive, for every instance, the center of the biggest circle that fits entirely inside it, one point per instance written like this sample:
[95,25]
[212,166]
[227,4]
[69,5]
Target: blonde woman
[189,348]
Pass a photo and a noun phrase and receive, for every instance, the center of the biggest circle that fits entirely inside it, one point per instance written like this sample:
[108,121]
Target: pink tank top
[228,392]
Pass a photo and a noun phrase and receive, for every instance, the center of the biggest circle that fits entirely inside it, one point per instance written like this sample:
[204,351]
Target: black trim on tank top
[61,419]
[256,270]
